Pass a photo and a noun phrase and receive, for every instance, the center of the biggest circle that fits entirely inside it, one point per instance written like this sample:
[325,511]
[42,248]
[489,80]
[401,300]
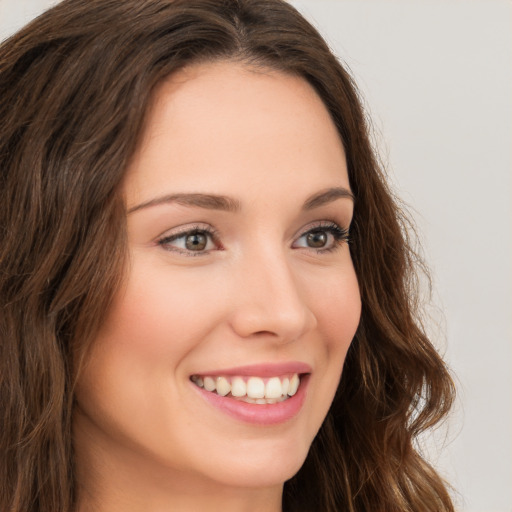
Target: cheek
[338,311]
[337,308]
[134,371]
[161,312]
[155,321]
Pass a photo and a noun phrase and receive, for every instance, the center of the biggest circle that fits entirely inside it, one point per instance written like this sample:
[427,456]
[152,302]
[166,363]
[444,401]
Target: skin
[259,293]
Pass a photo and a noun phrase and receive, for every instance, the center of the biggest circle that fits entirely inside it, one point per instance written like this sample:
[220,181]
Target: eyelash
[340,236]
[210,233]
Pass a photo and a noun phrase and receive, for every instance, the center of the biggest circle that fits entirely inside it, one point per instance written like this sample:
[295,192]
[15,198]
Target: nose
[268,299]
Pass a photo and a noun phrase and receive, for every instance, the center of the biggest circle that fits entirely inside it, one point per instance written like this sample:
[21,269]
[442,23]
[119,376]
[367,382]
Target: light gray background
[437,79]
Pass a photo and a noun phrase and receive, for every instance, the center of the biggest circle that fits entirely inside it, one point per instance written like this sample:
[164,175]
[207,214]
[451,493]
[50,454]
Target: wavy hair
[75,87]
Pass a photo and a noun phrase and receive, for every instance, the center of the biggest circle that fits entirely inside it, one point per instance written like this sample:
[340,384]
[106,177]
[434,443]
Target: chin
[274,474]
[259,464]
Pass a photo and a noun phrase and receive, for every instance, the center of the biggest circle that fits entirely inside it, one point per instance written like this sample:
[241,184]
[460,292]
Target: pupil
[196,242]
[317,239]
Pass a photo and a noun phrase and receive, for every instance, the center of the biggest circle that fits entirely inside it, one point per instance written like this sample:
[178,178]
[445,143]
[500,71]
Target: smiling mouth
[253,390]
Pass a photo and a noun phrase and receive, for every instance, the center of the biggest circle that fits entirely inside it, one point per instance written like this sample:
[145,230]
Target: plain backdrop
[436,77]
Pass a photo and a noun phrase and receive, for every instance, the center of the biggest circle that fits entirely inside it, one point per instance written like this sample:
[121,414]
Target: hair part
[76,85]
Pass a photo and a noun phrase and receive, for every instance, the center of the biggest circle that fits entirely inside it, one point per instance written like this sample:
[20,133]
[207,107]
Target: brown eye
[316,239]
[196,242]
[322,238]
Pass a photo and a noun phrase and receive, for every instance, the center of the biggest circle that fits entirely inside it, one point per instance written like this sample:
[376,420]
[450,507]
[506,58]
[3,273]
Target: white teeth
[285,385]
[294,385]
[254,390]
[238,387]
[255,387]
[209,384]
[273,389]
[223,386]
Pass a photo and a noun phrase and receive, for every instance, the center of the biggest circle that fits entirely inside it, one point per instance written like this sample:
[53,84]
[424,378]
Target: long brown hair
[75,85]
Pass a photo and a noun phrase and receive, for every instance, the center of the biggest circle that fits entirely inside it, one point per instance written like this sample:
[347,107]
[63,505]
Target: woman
[207,290]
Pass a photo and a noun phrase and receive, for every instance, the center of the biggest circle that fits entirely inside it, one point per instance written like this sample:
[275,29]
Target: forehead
[229,125]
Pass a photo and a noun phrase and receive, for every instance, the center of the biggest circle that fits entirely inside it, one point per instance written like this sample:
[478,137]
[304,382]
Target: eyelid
[320,224]
[182,231]
[340,234]
[185,228]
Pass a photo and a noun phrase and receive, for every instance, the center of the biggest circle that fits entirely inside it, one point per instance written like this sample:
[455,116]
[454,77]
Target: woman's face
[239,277]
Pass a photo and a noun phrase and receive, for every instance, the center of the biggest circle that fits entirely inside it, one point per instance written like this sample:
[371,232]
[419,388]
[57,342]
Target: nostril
[250,321]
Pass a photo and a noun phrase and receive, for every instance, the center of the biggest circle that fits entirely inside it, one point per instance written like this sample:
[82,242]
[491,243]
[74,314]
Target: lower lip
[259,414]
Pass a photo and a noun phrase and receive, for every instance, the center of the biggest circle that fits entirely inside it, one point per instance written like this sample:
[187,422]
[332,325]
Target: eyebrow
[207,201]
[228,204]
[327,196]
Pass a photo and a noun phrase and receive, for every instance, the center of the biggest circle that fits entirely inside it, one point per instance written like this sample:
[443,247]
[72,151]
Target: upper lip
[262,369]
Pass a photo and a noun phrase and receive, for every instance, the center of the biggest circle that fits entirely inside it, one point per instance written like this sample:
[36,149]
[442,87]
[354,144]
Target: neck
[127,498]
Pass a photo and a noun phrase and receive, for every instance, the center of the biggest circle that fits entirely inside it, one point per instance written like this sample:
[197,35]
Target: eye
[194,242]
[324,237]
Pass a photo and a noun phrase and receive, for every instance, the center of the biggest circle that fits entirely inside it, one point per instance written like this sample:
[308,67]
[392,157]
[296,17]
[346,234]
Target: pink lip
[259,414]
[262,370]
